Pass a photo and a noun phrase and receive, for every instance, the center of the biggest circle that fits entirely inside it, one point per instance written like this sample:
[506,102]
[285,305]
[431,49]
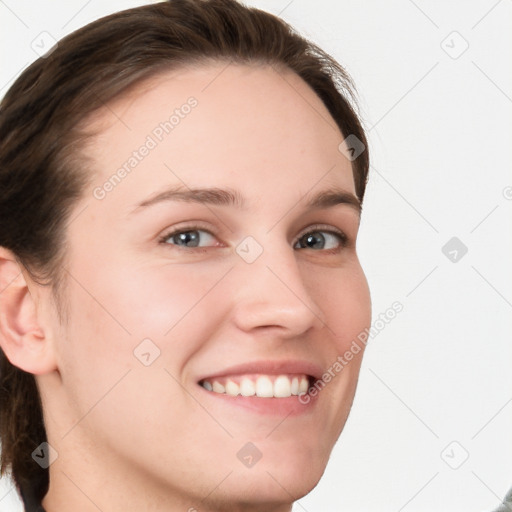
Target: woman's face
[256,295]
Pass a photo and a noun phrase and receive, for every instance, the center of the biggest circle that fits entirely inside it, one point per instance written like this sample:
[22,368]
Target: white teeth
[264,386]
[217,387]
[232,388]
[295,386]
[282,387]
[247,387]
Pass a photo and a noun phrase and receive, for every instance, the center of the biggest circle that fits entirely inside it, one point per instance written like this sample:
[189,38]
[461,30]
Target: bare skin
[132,436]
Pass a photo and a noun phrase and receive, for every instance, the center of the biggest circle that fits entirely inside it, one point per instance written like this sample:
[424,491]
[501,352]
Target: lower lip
[289,406]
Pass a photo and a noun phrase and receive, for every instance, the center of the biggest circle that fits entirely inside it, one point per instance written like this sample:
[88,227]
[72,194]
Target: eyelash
[342,237]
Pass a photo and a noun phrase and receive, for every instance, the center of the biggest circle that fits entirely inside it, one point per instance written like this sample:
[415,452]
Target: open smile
[268,387]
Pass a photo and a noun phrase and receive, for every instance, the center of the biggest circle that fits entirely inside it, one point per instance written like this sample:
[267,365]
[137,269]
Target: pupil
[189,236]
[312,240]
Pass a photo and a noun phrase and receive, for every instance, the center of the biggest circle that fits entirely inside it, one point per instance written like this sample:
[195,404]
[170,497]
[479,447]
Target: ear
[22,337]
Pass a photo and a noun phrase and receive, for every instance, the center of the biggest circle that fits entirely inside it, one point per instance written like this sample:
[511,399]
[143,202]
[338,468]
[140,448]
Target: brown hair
[42,172]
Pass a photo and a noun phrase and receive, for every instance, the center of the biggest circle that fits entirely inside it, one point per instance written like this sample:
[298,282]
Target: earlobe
[22,338]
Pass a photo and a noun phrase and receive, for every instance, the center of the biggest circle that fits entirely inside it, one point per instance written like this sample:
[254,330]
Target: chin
[282,475]
[267,489]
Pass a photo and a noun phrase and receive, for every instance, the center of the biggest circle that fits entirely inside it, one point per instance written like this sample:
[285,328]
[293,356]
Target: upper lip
[268,367]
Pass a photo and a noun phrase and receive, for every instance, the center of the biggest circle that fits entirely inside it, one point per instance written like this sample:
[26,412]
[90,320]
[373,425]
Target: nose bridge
[270,288]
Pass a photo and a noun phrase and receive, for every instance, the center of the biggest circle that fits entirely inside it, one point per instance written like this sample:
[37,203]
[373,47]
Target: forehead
[253,127]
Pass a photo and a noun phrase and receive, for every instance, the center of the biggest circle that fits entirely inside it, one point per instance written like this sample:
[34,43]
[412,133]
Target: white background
[441,135]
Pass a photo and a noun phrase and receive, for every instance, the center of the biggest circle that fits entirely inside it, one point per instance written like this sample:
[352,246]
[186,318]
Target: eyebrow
[231,197]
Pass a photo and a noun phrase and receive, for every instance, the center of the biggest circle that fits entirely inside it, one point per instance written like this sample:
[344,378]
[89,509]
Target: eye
[195,237]
[322,240]
[189,237]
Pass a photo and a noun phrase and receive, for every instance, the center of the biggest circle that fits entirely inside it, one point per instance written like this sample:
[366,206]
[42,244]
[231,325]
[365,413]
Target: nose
[271,294]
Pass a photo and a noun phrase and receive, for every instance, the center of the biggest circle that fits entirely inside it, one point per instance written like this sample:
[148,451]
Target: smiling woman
[163,341]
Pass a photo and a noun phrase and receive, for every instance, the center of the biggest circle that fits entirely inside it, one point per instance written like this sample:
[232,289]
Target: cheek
[167,302]
[111,315]
[343,297]
[147,296]
[94,348]
[105,374]
[106,384]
